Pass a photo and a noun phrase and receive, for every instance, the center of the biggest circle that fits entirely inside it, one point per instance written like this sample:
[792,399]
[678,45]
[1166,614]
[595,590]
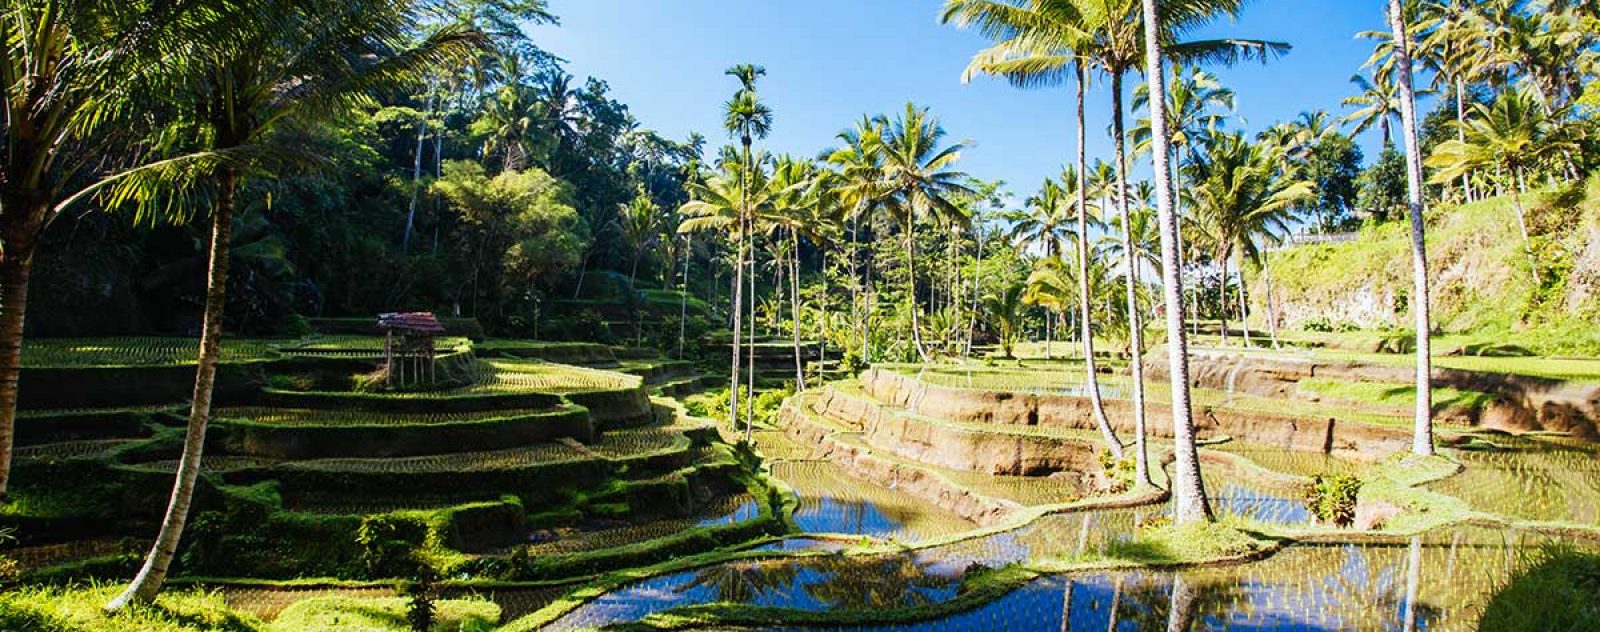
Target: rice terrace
[515,315]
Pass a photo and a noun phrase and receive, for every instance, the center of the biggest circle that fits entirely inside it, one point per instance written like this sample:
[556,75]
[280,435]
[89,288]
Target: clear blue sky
[830,61]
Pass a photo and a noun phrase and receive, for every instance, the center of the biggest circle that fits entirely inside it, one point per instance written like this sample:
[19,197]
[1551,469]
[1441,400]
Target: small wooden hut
[408,349]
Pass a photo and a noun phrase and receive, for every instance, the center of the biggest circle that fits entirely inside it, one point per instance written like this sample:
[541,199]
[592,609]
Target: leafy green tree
[304,64]
[525,222]
[1333,164]
[639,220]
[1381,187]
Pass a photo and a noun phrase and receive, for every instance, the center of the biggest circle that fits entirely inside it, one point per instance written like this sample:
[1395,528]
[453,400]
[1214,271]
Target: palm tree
[639,222]
[749,118]
[1005,314]
[316,62]
[1045,43]
[1378,104]
[1240,190]
[1046,223]
[919,183]
[1189,492]
[1422,437]
[1511,136]
[858,188]
[71,70]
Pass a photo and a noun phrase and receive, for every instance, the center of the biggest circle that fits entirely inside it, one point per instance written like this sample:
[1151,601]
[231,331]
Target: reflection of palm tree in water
[742,582]
[889,581]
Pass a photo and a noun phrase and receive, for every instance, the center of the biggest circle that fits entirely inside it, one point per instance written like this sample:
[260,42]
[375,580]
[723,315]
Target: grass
[334,417]
[347,614]
[1394,395]
[1556,588]
[524,375]
[79,609]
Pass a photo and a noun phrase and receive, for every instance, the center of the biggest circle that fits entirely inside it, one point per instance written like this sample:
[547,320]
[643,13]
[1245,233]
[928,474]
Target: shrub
[1332,498]
[389,545]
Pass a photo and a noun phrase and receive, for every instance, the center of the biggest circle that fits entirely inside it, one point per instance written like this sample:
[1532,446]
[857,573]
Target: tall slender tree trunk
[1180,615]
[1422,436]
[16,266]
[147,584]
[1141,453]
[683,293]
[1522,224]
[1272,310]
[750,342]
[977,281]
[911,286]
[738,289]
[794,309]
[1461,133]
[1189,492]
[1244,310]
[416,178]
[1112,442]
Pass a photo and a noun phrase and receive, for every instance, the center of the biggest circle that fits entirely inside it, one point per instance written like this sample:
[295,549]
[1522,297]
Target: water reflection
[823,583]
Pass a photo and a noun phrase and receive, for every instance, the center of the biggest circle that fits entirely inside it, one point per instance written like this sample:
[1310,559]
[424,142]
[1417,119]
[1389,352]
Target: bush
[1332,498]
[389,545]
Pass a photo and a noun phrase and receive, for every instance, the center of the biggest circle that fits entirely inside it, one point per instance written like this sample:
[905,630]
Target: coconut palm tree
[1240,190]
[919,182]
[1378,104]
[640,217]
[1189,493]
[857,186]
[317,61]
[1005,314]
[1422,436]
[71,70]
[1511,136]
[1046,223]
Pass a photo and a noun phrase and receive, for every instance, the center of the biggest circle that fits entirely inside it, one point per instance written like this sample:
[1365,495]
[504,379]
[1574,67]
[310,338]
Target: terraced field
[524,375]
[136,351]
[334,417]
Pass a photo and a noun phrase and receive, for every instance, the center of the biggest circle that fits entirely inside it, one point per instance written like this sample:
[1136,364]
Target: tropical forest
[890,315]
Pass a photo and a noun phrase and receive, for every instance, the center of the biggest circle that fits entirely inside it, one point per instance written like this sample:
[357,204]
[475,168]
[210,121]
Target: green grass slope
[1483,284]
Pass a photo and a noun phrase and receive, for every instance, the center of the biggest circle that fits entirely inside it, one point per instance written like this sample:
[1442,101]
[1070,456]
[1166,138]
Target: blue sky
[830,61]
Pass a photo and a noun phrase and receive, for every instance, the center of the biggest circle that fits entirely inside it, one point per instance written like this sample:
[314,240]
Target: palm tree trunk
[683,293]
[1189,492]
[1422,436]
[1461,133]
[977,280]
[794,309]
[1244,312]
[1522,224]
[1180,615]
[1413,584]
[911,283]
[1141,453]
[16,266]
[1112,442]
[750,341]
[738,326]
[1272,310]
[147,584]
[416,177]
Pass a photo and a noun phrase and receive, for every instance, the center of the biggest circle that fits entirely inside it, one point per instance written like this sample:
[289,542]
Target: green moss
[347,614]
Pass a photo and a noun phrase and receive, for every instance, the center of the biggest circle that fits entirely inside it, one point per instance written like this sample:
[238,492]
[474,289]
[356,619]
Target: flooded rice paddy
[1440,580]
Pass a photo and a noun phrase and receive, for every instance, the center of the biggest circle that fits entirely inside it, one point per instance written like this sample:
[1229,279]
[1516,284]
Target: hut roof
[410,322]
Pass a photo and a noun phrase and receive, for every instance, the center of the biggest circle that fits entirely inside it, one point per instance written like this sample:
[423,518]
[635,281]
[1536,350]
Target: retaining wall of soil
[862,463]
[1523,403]
[930,441]
[1330,435]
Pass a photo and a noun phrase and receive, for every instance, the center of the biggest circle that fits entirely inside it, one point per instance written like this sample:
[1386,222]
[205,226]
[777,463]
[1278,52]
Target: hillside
[1484,294]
